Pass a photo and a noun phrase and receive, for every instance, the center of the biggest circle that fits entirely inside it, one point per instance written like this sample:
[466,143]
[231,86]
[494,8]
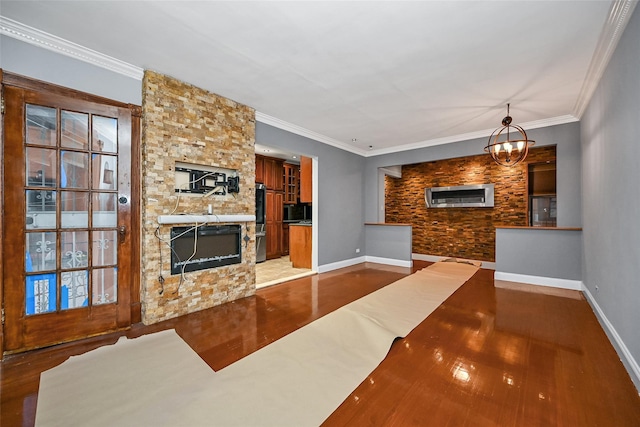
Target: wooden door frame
[22,82]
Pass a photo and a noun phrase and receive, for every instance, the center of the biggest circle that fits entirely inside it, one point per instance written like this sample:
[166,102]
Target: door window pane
[105,172]
[74,249]
[74,289]
[40,293]
[41,167]
[105,134]
[41,209]
[74,130]
[74,170]
[105,286]
[105,248]
[75,209]
[40,253]
[41,125]
[104,210]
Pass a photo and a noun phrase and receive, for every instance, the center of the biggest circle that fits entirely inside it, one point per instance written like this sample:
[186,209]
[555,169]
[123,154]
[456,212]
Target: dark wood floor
[488,356]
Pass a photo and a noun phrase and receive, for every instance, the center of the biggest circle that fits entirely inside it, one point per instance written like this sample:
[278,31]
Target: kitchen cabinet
[269,172]
[260,169]
[273,173]
[300,245]
[291,177]
[273,224]
[306,180]
[285,239]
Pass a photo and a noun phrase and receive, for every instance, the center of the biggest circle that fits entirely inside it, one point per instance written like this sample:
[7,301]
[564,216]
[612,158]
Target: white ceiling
[391,75]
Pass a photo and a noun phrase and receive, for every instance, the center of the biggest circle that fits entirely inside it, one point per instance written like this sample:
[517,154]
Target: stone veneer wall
[460,232]
[182,123]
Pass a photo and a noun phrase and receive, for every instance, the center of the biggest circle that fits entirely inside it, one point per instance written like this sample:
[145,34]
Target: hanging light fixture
[512,150]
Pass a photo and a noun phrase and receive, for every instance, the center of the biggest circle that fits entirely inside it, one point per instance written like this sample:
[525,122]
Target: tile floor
[278,270]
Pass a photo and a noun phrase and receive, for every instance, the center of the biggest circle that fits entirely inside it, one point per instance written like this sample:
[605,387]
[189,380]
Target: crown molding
[27,34]
[281,124]
[619,15]
[553,121]
[298,130]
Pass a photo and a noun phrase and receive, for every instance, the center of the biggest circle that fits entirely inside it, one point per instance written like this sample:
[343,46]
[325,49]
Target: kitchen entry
[284,216]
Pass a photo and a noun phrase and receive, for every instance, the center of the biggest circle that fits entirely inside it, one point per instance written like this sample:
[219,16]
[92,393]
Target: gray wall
[566,137]
[340,221]
[391,242]
[28,60]
[555,254]
[611,191]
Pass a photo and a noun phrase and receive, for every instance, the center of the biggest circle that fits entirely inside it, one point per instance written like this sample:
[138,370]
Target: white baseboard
[575,285]
[623,352]
[389,261]
[435,258]
[340,264]
[353,261]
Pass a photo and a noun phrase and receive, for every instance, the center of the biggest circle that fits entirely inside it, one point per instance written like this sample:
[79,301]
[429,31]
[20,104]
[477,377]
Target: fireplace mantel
[201,219]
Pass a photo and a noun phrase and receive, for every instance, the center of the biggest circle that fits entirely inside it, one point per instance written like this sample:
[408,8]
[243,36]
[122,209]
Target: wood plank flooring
[489,356]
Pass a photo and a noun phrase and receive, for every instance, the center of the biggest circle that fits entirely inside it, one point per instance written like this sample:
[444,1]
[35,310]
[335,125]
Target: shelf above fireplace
[200,219]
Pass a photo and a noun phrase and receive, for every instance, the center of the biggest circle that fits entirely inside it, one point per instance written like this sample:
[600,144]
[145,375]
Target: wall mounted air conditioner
[462,196]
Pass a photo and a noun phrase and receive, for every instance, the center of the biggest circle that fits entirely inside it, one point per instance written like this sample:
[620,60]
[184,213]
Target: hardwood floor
[489,356]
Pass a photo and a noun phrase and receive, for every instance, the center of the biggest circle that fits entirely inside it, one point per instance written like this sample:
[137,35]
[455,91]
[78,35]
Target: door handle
[122,231]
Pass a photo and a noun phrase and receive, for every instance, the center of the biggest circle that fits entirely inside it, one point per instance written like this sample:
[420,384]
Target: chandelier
[512,150]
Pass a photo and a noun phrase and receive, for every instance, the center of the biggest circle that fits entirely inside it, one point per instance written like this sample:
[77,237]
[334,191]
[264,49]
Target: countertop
[391,224]
[525,227]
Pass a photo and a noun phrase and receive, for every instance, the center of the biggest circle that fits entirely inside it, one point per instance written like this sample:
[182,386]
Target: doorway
[293,201]
[68,227]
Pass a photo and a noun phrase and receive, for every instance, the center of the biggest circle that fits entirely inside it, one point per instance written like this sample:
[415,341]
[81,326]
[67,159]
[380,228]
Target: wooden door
[67,223]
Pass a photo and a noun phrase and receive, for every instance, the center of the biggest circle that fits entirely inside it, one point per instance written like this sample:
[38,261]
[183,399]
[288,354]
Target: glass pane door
[71,245]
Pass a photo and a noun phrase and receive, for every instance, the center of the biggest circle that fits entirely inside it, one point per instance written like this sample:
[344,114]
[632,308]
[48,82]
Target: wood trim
[1,216]
[136,229]
[28,83]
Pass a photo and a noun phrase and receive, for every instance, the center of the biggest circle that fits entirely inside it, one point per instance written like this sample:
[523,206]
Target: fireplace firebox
[216,246]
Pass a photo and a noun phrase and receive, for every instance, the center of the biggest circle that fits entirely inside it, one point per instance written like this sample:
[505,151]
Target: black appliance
[217,245]
[261,214]
[298,212]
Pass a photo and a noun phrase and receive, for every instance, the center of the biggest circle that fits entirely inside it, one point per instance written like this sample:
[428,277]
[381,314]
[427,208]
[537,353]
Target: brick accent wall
[182,123]
[460,232]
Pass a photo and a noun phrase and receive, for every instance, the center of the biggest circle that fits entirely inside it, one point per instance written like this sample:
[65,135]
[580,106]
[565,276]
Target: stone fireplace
[185,124]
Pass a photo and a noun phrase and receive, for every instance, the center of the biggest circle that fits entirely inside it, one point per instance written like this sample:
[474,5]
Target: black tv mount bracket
[214,183]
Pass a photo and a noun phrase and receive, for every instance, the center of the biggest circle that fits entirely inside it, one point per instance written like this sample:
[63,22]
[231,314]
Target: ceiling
[370,77]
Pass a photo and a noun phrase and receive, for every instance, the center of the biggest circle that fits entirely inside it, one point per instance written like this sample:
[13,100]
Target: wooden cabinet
[269,172]
[273,224]
[260,169]
[291,177]
[306,180]
[273,173]
[300,245]
[285,239]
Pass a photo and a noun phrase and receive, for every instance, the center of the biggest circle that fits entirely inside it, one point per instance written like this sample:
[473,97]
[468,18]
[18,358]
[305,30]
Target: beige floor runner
[298,380]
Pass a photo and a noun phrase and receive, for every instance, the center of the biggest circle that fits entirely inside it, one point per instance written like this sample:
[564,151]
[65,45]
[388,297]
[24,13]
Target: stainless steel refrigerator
[261,234]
